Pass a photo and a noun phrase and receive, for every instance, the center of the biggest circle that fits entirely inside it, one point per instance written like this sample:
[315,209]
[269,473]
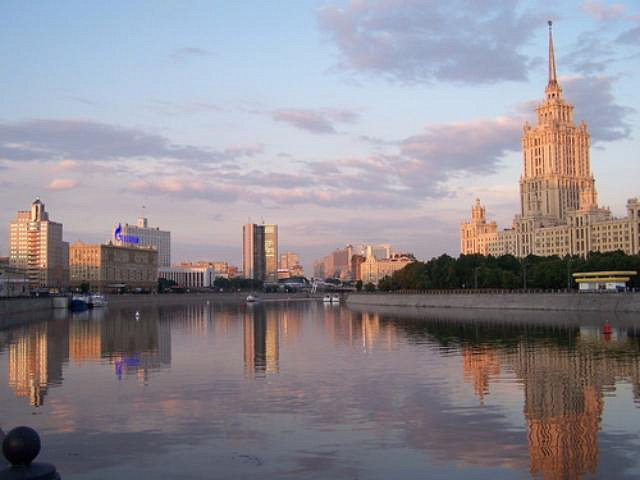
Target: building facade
[144,236]
[260,252]
[559,206]
[373,270]
[36,247]
[191,276]
[109,267]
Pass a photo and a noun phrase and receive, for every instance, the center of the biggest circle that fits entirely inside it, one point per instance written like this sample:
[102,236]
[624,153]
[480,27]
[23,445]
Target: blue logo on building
[117,234]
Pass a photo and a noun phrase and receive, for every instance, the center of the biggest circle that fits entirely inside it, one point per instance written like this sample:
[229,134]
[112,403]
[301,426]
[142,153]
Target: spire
[553,80]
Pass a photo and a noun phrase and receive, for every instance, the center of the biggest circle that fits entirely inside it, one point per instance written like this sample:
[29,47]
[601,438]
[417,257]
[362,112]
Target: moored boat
[97,301]
[253,299]
[79,303]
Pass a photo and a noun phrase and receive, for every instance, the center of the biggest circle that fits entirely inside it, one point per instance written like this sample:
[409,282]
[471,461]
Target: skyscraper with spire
[559,213]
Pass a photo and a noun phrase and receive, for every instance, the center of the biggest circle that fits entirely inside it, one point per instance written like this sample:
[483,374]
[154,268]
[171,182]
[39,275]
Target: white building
[145,236]
[190,276]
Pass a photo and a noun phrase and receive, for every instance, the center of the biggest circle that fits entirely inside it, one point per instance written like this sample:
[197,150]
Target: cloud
[595,103]
[473,147]
[86,140]
[631,36]
[315,121]
[183,54]
[601,11]
[462,41]
[62,184]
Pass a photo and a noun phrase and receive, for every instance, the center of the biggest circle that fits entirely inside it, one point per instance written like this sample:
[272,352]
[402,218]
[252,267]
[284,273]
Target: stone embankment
[12,306]
[504,300]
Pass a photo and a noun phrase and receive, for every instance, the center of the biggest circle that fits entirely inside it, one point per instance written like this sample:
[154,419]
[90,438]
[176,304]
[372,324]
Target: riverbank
[13,306]
[578,302]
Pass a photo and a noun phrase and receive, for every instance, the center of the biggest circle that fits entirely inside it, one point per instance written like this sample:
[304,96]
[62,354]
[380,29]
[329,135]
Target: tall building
[36,247]
[145,236]
[559,213]
[260,252]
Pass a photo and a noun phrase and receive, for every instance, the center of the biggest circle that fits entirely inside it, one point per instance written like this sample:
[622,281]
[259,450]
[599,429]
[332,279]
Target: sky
[362,121]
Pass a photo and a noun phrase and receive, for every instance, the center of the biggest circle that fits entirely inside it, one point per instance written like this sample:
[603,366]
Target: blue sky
[343,122]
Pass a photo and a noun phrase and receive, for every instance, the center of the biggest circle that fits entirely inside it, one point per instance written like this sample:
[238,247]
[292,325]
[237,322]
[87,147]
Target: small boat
[326,299]
[335,299]
[79,303]
[96,301]
[253,299]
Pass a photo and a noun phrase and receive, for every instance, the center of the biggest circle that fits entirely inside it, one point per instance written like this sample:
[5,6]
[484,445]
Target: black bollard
[20,447]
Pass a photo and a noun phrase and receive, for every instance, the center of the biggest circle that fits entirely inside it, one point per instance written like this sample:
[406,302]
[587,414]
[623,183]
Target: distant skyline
[342,122]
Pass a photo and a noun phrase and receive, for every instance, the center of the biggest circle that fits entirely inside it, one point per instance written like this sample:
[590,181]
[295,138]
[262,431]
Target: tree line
[506,271]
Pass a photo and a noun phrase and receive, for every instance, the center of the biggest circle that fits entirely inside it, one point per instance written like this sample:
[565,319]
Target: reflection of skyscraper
[261,341]
[36,356]
[480,363]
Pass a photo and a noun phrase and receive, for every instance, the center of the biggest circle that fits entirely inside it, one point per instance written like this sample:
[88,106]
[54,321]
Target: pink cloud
[62,184]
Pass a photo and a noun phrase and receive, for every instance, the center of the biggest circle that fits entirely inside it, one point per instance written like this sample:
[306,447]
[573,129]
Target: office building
[372,270]
[36,247]
[559,212]
[144,236]
[260,252]
[109,267]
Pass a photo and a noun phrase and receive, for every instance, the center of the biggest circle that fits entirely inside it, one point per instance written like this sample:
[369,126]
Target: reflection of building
[479,365]
[85,343]
[260,252]
[136,346]
[36,246]
[144,236]
[36,355]
[559,209]
[563,394]
[261,341]
[109,266]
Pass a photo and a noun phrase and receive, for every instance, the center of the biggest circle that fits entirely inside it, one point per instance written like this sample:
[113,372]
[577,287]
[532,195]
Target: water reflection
[520,394]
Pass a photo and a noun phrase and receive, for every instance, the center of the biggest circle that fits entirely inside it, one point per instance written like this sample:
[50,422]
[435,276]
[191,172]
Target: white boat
[97,301]
[253,299]
[326,299]
[335,299]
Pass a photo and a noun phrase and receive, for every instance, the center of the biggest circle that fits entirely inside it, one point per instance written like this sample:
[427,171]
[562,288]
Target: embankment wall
[12,306]
[579,302]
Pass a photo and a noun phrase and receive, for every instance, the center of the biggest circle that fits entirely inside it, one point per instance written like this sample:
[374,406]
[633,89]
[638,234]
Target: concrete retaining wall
[11,306]
[585,302]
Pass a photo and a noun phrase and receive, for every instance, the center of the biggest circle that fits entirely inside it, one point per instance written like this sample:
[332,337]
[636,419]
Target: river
[310,391]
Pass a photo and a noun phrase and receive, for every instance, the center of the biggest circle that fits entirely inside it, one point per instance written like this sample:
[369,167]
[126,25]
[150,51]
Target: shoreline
[625,302]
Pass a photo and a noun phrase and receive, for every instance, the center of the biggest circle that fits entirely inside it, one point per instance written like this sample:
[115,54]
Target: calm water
[307,391]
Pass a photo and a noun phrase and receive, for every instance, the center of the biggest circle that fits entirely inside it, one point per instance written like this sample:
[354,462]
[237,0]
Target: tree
[370,287]
[359,285]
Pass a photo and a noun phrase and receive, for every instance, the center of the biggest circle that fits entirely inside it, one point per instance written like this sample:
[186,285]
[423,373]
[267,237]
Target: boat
[335,299]
[79,303]
[326,299]
[253,299]
[97,300]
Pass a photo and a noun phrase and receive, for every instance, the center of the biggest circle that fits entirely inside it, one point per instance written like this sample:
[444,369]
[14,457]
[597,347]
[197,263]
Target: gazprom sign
[117,234]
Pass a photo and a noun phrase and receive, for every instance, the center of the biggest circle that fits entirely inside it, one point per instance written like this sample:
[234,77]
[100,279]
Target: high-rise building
[144,236]
[559,212]
[36,247]
[260,252]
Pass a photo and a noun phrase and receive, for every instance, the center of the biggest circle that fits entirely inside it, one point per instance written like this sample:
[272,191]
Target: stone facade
[559,206]
[373,270]
[108,267]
